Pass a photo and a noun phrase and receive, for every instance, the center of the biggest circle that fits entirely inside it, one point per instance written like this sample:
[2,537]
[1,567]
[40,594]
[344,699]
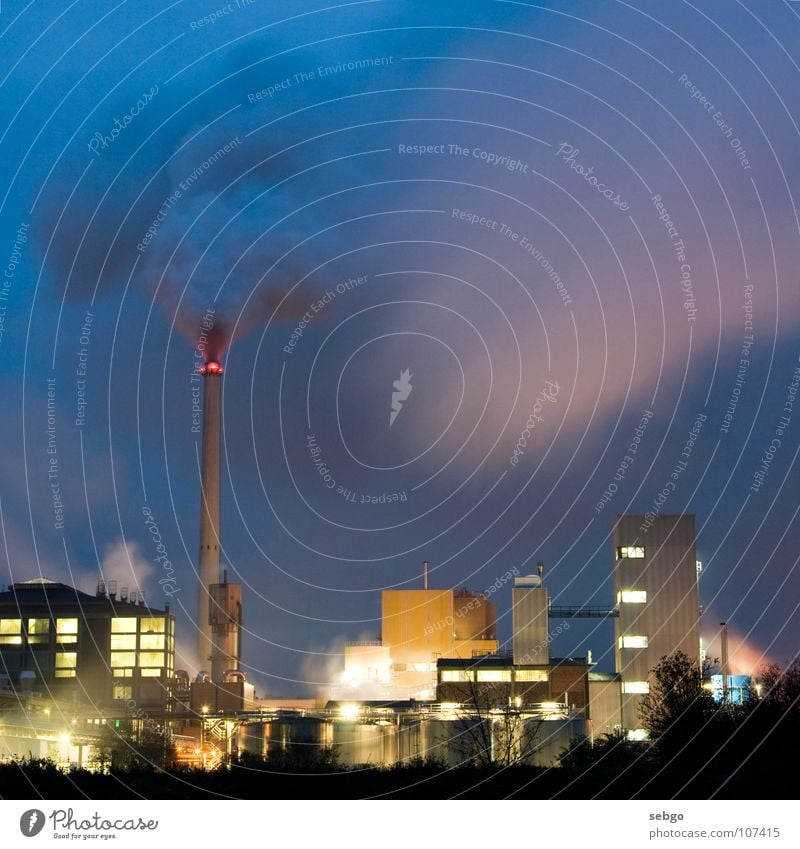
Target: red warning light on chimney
[211,367]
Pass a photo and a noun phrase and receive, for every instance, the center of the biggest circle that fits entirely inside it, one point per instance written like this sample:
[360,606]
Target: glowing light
[204,709]
[630,552]
[211,367]
[632,597]
[64,739]
[349,711]
[637,734]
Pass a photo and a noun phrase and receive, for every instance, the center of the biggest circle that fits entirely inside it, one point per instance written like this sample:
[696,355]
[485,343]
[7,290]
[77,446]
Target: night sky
[571,223]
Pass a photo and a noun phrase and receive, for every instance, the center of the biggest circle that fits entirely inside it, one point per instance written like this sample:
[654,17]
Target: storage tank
[358,743]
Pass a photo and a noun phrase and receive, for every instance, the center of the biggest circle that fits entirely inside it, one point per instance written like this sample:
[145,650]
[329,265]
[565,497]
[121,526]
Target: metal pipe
[725,668]
[425,575]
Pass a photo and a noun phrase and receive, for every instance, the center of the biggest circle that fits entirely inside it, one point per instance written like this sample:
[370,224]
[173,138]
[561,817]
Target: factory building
[434,678]
[104,649]
[656,592]
[528,675]
[420,626]
[493,681]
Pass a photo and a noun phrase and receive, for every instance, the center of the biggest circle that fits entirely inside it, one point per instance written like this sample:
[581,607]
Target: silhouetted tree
[611,751]
[678,708]
[489,731]
[779,687]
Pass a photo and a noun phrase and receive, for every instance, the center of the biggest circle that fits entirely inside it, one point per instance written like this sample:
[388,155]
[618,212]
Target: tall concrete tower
[219,603]
[655,584]
[209,563]
[529,617]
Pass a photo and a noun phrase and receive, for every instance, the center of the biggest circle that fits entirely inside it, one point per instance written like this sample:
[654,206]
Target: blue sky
[601,196]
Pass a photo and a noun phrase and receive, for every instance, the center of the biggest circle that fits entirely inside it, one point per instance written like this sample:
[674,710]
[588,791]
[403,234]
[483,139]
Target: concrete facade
[655,588]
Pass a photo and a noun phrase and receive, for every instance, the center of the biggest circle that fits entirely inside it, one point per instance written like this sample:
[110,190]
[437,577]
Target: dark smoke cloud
[190,209]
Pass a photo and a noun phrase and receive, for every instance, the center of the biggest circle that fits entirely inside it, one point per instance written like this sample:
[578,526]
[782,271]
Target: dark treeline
[623,774]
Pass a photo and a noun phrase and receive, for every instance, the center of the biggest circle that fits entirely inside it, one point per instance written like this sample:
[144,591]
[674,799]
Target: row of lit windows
[127,672]
[492,675]
[147,642]
[38,631]
[635,687]
[146,625]
[145,658]
[631,552]
[633,642]
[67,628]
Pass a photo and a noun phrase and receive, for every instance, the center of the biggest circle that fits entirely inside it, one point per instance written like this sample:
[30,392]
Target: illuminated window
[66,661]
[123,642]
[494,675]
[632,552]
[123,625]
[152,623]
[151,658]
[67,630]
[632,597]
[635,687]
[630,642]
[531,675]
[636,735]
[459,675]
[121,691]
[151,673]
[38,630]
[151,642]
[123,658]
[10,632]
[122,673]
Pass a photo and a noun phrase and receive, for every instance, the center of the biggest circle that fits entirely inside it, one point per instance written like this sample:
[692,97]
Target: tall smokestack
[209,505]
[425,575]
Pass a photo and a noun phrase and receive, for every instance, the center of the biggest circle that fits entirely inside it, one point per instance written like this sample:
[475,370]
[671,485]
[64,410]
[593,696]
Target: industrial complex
[437,685]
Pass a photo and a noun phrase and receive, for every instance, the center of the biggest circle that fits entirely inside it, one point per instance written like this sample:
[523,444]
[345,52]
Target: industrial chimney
[209,505]
[219,604]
